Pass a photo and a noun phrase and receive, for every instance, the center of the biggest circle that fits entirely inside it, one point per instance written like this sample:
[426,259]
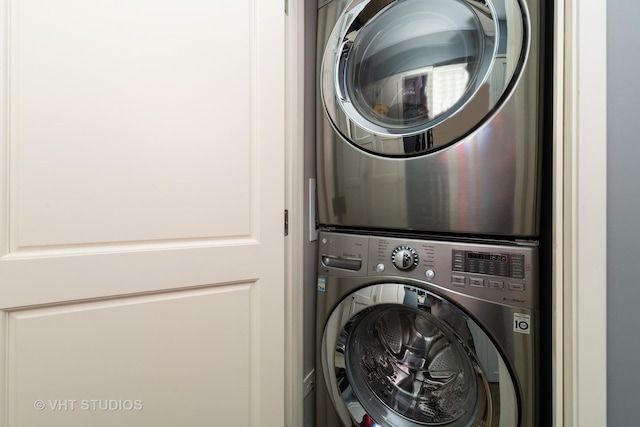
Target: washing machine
[429,115]
[425,332]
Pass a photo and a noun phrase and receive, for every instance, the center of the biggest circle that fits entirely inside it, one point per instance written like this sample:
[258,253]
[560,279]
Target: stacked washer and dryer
[428,161]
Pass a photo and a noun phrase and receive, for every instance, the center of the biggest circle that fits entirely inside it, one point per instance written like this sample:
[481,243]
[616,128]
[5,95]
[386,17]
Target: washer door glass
[404,356]
[413,364]
[394,70]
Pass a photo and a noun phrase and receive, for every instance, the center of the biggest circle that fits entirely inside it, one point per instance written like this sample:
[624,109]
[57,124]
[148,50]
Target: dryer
[425,333]
[428,115]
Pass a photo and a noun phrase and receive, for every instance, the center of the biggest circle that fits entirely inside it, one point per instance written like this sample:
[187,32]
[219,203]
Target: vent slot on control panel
[491,263]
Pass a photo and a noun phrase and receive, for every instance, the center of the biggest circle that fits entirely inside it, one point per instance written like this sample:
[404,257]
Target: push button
[476,282]
[516,287]
[496,284]
[459,281]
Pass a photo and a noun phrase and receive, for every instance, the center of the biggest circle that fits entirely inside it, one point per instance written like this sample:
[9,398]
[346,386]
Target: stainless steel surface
[472,168]
[406,350]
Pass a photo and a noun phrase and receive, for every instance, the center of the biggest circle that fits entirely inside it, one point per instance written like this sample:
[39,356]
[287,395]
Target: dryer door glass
[397,69]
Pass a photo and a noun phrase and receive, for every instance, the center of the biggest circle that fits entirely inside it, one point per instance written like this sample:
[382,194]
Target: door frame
[579,255]
[579,214]
[294,202]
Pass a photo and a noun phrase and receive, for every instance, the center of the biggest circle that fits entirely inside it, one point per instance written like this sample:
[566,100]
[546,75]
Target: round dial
[404,258]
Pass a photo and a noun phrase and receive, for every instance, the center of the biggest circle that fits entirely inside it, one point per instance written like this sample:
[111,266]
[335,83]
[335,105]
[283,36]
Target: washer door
[393,71]
[399,355]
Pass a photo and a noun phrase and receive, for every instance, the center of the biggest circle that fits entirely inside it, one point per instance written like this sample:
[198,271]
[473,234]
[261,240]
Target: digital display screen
[488,256]
[493,264]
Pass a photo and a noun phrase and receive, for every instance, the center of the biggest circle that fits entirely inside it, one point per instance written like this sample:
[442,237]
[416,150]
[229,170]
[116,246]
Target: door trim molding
[294,201]
[580,214]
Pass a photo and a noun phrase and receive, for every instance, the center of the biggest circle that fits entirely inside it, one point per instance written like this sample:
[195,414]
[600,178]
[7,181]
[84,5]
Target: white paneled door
[141,207]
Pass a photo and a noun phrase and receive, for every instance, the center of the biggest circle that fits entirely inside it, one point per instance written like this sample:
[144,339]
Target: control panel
[491,263]
[507,274]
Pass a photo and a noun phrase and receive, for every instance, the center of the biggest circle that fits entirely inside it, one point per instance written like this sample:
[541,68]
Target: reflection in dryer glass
[414,62]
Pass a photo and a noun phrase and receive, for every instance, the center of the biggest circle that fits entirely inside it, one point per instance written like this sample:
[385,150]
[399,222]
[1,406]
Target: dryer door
[399,355]
[393,71]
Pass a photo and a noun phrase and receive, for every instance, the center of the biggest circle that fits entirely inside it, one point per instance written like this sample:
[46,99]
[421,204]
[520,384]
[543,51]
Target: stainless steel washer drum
[414,365]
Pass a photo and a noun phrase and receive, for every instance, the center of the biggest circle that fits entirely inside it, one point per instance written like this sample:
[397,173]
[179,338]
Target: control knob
[404,258]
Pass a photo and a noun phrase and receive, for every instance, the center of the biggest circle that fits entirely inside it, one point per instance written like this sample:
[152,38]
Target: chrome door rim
[344,114]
